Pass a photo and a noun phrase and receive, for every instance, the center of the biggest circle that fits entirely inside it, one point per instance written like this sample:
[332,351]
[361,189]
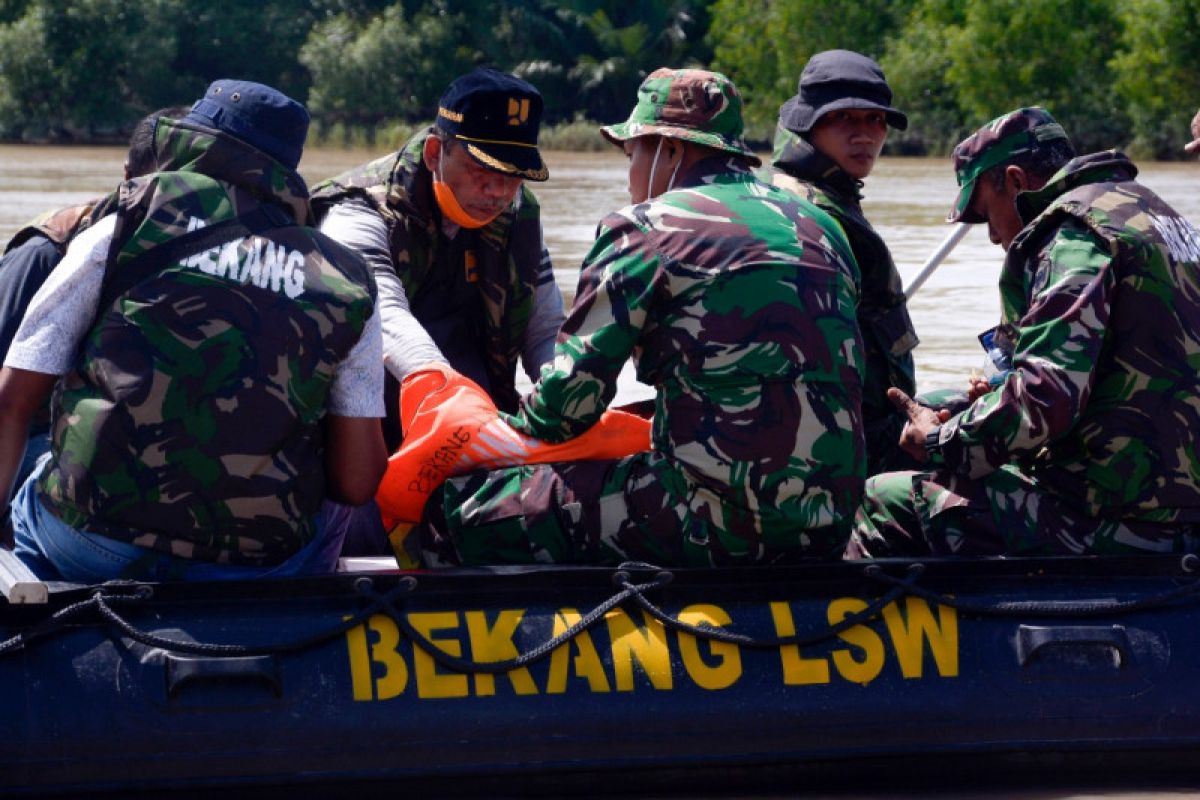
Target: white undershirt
[406,345]
[64,308]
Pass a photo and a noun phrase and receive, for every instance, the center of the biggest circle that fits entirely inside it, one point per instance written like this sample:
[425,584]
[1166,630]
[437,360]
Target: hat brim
[799,117]
[961,211]
[518,160]
[622,132]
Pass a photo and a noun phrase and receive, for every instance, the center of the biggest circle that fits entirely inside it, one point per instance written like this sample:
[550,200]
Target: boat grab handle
[1032,638]
[185,670]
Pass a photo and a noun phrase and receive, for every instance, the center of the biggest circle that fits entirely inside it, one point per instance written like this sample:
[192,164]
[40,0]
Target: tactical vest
[1132,452]
[501,259]
[61,225]
[190,423]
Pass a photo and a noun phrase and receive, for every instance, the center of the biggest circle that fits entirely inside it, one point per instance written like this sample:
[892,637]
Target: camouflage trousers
[604,513]
[1004,513]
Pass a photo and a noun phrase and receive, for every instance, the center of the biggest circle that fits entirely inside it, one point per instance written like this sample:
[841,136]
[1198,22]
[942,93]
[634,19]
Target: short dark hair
[445,137]
[141,159]
[1041,162]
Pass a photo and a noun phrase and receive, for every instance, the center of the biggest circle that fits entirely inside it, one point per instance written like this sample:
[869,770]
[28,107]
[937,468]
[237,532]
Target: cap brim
[522,162]
[961,210]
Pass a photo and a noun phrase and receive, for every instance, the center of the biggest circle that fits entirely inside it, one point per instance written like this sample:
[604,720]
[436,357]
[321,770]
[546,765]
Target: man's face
[853,137]
[999,206]
[483,193]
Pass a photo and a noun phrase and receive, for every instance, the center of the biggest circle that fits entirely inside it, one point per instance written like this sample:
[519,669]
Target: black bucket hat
[839,79]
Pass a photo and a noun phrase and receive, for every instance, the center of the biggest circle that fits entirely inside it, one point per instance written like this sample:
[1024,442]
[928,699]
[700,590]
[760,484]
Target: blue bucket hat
[263,117]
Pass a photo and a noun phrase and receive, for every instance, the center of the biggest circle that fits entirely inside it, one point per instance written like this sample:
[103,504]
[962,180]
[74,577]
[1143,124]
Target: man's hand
[977,387]
[451,427]
[921,422]
[1194,145]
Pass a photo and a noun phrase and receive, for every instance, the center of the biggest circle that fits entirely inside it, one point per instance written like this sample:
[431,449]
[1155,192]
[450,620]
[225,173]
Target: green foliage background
[1117,73]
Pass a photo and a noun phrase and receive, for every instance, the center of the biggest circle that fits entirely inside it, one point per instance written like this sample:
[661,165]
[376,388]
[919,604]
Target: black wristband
[933,447]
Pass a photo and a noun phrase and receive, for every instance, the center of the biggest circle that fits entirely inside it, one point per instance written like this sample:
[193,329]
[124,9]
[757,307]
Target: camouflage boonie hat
[691,104]
[1009,135]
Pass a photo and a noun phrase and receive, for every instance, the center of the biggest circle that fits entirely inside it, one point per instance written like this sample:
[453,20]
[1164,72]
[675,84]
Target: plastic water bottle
[999,349]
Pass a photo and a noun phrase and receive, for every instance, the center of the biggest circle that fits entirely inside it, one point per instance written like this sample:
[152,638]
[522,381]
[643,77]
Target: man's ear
[676,148]
[1016,179]
[430,153]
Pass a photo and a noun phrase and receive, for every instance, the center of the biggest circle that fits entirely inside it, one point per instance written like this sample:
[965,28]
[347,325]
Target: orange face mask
[449,204]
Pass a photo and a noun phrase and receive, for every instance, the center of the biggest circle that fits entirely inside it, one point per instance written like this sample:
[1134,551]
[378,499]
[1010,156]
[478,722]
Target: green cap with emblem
[690,104]
[1001,140]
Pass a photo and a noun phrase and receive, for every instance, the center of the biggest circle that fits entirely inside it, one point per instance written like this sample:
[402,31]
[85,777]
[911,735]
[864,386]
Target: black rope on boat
[104,597]
[66,615]
[459,664]
[1064,609]
[899,587]
[706,631]
[636,591]
[907,585]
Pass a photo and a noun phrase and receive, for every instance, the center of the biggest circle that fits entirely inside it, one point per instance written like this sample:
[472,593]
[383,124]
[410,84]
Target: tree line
[1122,73]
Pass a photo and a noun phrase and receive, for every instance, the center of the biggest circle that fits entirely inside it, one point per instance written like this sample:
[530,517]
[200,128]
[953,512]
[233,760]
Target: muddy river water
[906,199]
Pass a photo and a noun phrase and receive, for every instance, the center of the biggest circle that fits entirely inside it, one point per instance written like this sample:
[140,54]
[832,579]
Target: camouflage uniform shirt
[736,301]
[887,329]
[1101,297]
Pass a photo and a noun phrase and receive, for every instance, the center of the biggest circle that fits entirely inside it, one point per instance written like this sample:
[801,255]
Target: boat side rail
[633,581]
[1189,563]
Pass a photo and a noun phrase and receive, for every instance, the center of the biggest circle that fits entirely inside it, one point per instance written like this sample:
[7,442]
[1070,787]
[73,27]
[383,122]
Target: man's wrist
[933,447]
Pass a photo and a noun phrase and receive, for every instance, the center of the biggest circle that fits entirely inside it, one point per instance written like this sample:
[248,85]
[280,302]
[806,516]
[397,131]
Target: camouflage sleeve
[1058,342]
[599,334]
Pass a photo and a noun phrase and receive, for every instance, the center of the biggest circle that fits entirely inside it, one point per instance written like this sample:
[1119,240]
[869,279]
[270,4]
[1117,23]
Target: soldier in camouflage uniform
[221,363]
[1088,443]
[455,240]
[37,248]
[736,301]
[827,140]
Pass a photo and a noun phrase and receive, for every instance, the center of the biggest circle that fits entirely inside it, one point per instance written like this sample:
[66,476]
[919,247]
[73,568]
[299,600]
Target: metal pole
[935,260]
